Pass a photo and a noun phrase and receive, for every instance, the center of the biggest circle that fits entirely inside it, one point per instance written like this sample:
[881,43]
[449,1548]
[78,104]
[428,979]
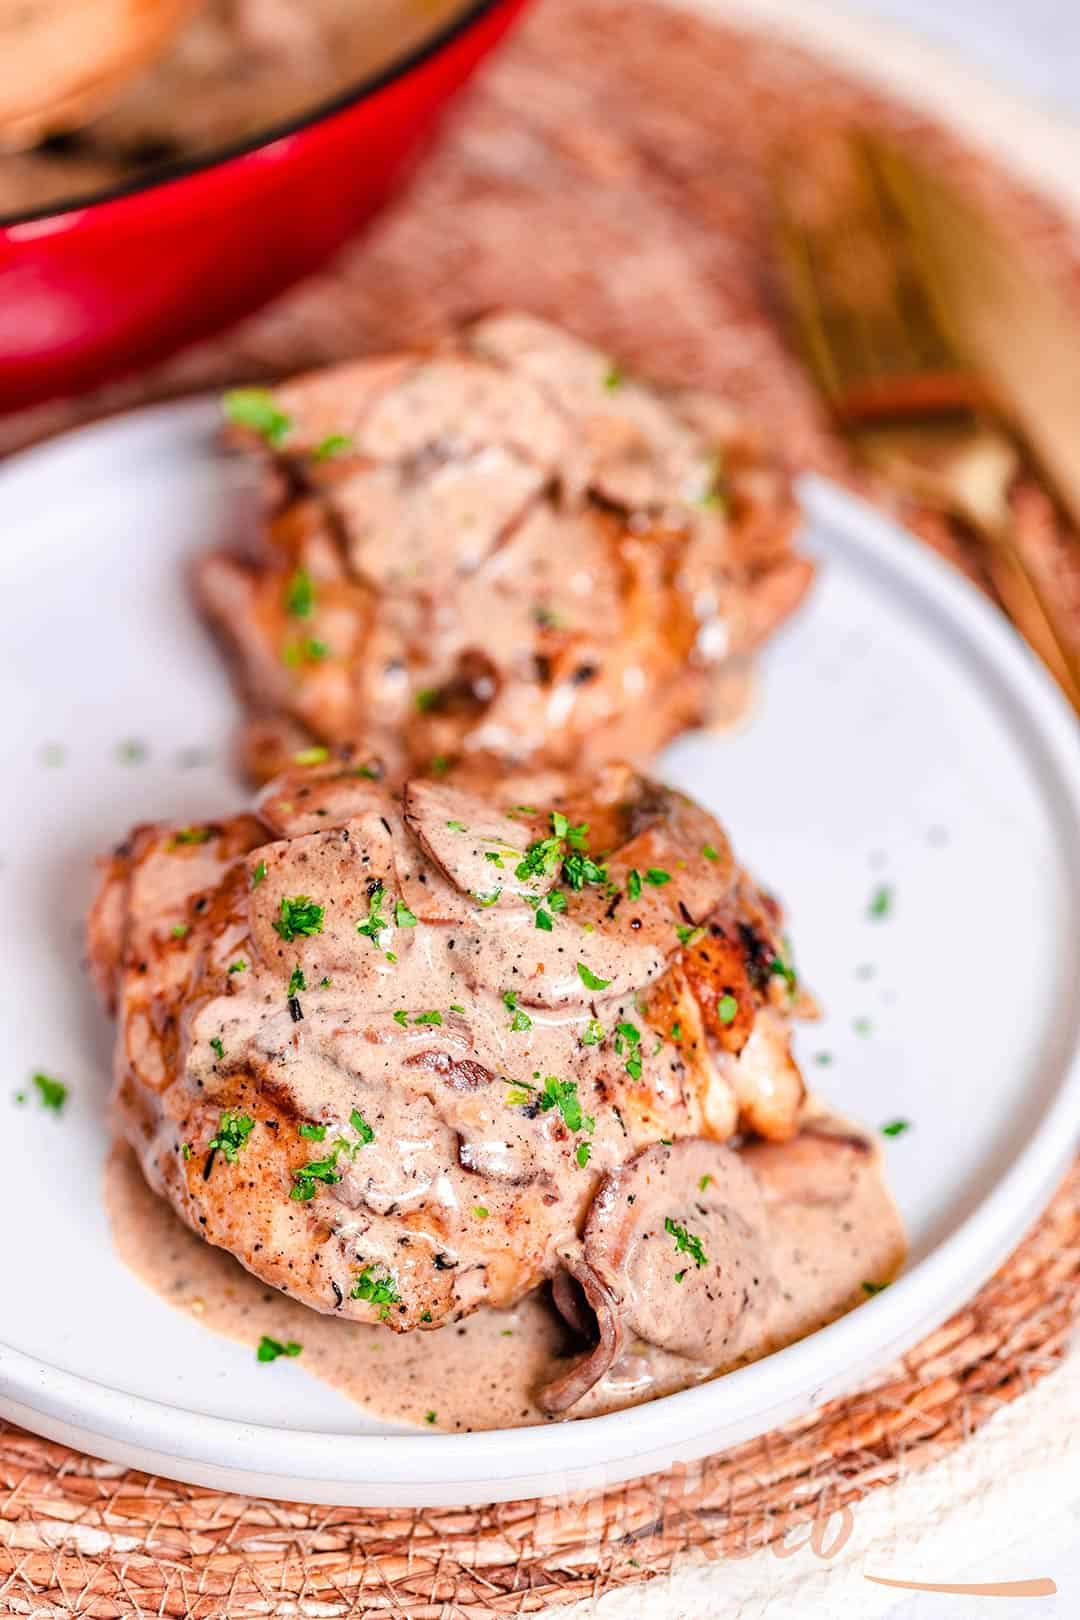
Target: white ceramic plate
[902,735]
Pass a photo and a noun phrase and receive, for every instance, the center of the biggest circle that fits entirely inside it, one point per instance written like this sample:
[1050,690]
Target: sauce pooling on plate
[835,1238]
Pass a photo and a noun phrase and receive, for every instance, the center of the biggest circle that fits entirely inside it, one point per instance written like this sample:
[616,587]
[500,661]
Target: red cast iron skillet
[115,282]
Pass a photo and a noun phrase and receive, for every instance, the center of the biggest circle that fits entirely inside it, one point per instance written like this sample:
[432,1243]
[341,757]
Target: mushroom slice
[566,1390]
[819,1166]
[678,1235]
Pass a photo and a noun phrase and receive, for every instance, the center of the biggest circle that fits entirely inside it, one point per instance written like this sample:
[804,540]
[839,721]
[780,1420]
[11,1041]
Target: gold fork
[910,405]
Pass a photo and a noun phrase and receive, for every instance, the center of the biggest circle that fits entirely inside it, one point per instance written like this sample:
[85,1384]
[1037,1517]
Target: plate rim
[403,1469]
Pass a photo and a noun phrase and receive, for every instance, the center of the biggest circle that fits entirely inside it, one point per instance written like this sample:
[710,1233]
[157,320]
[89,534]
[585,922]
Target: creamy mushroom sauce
[239,67]
[833,1238]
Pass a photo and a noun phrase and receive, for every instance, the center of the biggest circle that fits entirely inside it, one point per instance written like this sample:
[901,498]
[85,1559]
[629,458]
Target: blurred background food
[98,93]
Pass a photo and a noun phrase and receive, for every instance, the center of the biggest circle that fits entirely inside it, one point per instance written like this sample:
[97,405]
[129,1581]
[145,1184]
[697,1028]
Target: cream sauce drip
[829,1237]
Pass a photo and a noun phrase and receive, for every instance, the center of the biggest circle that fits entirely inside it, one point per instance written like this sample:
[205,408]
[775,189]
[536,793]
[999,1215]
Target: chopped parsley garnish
[726,1009]
[823,1059]
[429,1417]
[324,1170]
[785,969]
[628,1033]
[657,877]
[300,595]
[53,1093]
[270,1349]
[401,1017]
[676,1031]
[880,901]
[185,1151]
[315,650]
[543,919]
[583,1154]
[335,444]
[710,852]
[239,966]
[685,1242]
[594,1033]
[563,1095]
[873,1287]
[180,930]
[314,1133]
[428,1018]
[440,764]
[591,980]
[481,1212]
[703,1183]
[377,1288]
[633,883]
[218,1045]
[193,835]
[374,923]
[232,1132]
[521,1020]
[403,917]
[896,1127]
[457,826]
[426,699]
[613,378]
[488,899]
[688,933]
[862,1026]
[312,756]
[258,874]
[540,859]
[255,408]
[361,1127]
[455,1006]
[299,915]
[297,982]
[518,1095]
[579,869]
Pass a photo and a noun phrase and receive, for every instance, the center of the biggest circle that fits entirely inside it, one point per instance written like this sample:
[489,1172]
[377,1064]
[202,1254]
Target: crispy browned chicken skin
[499,550]
[387,1047]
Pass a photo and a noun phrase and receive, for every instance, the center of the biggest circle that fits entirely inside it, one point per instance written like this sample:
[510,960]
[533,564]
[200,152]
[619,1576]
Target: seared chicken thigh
[499,550]
[405,1054]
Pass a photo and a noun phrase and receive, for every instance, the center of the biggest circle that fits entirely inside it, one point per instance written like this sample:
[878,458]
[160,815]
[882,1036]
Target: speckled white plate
[902,736]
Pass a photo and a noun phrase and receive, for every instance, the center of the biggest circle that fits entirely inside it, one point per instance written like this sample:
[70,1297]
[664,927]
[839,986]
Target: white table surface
[1006,1506]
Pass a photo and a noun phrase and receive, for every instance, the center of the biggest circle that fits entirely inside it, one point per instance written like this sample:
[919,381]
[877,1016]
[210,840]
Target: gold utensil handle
[1024,602]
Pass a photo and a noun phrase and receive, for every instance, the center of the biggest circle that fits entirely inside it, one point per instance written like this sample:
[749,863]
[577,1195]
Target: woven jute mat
[609,170]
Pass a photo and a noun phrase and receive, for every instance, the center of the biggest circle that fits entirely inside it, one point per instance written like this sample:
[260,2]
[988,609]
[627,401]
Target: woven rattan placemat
[609,171]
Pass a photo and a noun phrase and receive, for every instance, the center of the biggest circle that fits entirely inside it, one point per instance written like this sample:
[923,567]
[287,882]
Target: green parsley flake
[403,917]
[314,1133]
[563,1095]
[239,966]
[401,1017]
[872,1288]
[297,982]
[785,969]
[377,1288]
[192,835]
[299,916]
[583,1154]
[633,883]
[862,1026]
[710,852]
[428,1018]
[180,930]
[689,933]
[426,699]
[726,1009]
[591,980]
[185,1151]
[519,1095]
[543,919]
[594,1033]
[880,902]
[258,874]
[685,1242]
[488,899]
[896,1127]
[255,408]
[218,1045]
[481,1212]
[657,877]
[53,1093]
[300,595]
[232,1132]
[704,1183]
[457,826]
[312,756]
[270,1349]
[324,1170]
[335,444]
[374,923]
[429,1417]
[613,378]
[361,1127]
